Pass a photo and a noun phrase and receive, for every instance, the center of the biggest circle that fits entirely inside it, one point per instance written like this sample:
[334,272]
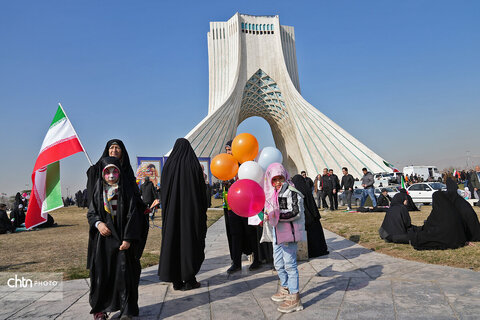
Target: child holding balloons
[284,225]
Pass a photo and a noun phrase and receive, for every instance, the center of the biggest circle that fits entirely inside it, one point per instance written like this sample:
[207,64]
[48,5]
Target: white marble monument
[253,72]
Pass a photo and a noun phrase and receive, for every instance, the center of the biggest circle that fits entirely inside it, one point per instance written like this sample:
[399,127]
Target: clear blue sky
[401,76]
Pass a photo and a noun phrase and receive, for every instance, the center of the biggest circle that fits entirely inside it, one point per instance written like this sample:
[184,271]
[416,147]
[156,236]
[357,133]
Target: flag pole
[86,154]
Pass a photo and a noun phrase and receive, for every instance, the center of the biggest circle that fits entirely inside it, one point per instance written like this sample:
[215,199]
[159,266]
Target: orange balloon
[245,147]
[224,166]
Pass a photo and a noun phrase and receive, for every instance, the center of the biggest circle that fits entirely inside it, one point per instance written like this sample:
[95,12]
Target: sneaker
[233,268]
[348,208]
[281,295]
[255,265]
[292,303]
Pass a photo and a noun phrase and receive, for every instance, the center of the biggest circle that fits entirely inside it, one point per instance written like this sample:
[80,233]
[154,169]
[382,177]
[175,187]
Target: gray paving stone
[351,282]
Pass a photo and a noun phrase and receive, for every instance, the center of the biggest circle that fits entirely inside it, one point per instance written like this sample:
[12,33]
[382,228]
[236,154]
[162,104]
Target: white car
[422,192]
[391,191]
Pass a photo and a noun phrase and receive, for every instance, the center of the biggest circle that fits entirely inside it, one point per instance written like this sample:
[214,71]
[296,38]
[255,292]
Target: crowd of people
[119,210]
[15,222]
[452,223]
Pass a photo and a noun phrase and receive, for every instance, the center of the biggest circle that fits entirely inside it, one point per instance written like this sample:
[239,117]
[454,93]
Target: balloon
[224,166]
[251,170]
[246,198]
[244,147]
[269,155]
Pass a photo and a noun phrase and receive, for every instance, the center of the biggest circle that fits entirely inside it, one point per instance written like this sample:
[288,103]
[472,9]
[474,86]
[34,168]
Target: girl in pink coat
[284,226]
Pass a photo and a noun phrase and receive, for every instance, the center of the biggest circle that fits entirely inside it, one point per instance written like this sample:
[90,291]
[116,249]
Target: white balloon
[269,155]
[251,170]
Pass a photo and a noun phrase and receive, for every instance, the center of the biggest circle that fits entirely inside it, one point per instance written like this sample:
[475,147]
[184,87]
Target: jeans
[348,197]
[285,262]
[368,192]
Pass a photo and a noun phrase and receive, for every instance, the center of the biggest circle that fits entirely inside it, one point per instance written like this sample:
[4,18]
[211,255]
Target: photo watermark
[43,286]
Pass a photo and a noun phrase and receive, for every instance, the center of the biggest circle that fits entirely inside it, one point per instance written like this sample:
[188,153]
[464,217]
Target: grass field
[64,248]
[363,229]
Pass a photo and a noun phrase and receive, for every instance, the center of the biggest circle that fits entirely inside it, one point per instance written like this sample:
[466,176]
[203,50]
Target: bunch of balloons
[246,196]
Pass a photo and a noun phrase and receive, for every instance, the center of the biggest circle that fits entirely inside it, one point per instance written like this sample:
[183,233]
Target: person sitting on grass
[284,225]
[465,211]
[443,229]
[384,199]
[6,225]
[17,216]
[397,226]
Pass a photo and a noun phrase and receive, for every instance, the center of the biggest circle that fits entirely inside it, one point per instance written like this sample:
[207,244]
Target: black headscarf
[443,229]
[184,208]
[125,167]
[397,222]
[114,274]
[317,245]
[311,210]
[410,204]
[465,211]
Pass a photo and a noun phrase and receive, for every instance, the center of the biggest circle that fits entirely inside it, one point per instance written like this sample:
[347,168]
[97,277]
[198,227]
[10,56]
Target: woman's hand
[125,245]
[103,229]
[265,216]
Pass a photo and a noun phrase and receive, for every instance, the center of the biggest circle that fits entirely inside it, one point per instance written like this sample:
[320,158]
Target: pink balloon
[246,198]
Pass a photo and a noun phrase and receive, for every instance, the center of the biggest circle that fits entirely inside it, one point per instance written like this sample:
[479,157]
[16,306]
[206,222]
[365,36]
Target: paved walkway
[351,283]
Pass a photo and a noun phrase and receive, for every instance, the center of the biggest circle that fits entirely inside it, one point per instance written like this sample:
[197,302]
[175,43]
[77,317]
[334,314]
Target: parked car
[392,177]
[422,192]
[356,197]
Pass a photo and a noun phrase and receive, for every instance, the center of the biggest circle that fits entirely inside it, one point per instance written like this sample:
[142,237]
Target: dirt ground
[64,248]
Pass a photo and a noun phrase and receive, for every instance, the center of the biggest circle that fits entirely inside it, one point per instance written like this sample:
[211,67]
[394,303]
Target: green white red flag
[60,142]
[403,185]
[391,166]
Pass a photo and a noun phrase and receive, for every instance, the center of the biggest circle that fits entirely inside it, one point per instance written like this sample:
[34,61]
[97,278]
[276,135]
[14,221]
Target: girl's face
[115,151]
[111,175]
[278,181]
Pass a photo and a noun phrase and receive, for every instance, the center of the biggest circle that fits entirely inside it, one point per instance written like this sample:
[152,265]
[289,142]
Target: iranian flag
[391,166]
[60,142]
[403,185]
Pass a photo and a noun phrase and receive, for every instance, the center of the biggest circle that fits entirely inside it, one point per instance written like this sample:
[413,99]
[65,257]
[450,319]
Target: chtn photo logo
[16,282]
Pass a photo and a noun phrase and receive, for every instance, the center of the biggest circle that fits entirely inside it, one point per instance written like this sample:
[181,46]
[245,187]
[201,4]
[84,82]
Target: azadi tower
[253,72]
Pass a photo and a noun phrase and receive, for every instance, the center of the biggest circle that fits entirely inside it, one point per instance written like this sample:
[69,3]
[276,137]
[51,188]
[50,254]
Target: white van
[426,172]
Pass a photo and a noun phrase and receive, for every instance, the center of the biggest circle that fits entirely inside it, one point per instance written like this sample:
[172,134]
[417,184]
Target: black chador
[397,226]
[465,211]
[411,206]
[94,172]
[114,273]
[315,236]
[184,217]
[443,228]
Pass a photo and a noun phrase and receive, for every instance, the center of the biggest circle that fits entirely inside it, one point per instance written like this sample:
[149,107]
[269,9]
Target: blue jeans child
[285,262]
[368,192]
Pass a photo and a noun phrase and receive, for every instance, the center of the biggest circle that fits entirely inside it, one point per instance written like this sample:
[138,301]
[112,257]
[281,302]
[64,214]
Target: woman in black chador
[397,225]
[116,148]
[443,228]
[465,211]
[315,236]
[184,227]
[115,230]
